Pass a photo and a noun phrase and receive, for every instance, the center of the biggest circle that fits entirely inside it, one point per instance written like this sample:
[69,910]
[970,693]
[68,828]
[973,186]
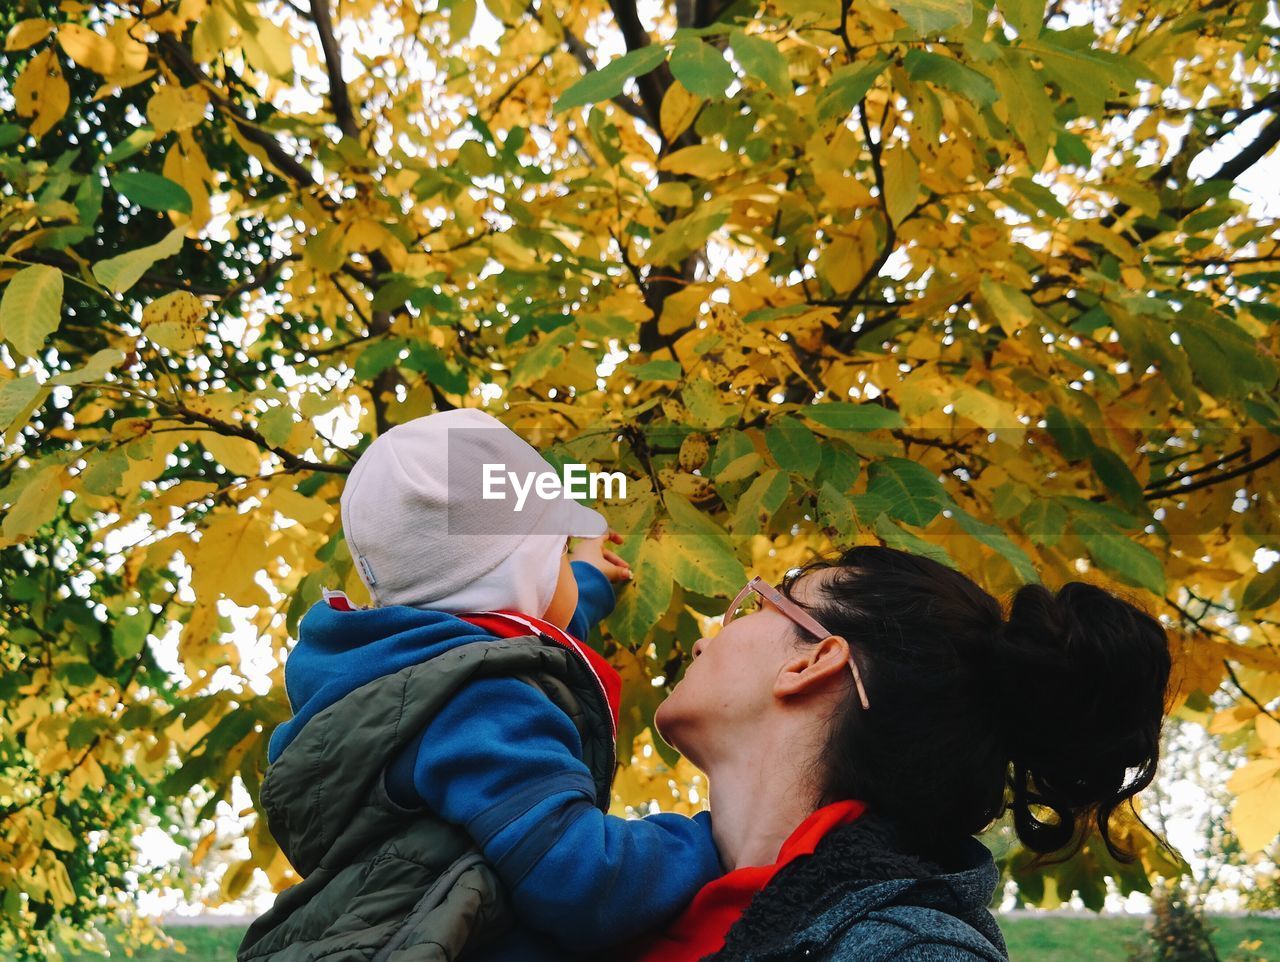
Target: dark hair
[1058,707]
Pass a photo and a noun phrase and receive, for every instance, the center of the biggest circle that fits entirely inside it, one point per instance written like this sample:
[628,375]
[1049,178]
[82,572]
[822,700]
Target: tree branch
[339,96]
[179,59]
[1162,491]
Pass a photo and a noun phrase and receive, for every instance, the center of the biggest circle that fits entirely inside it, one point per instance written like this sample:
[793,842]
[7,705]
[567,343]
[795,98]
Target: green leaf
[646,597]
[130,145]
[100,364]
[760,502]
[130,633]
[541,358]
[911,492]
[88,198]
[847,86]
[1226,360]
[1031,112]
[1025,16]
[897,537]
[763,61]
[1262,591]
[656,371]
[1012,308]
[994,537]
[31,308]
[1087,75]
[606,83]
[950,74]
[1070,148]
[120,273]
[37,502]
[1117,476]
[927,17]
[793,446]
[840,465]
[848,416]
[1039,195]
[705,405]
[1115,551]
[445,373]
[684,235]
[701,68]
[105,471]
[18,397]
[835,511]
[152,191]
[276,425]
[1070,433]
[701,557]
[733,444]
[378,356]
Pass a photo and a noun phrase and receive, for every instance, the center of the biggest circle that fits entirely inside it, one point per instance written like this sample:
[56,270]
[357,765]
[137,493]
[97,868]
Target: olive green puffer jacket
[384,883]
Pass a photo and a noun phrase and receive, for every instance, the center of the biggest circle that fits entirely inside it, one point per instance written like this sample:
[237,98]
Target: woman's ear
[813,667]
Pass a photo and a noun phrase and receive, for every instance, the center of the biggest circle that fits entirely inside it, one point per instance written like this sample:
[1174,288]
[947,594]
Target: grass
[1052,939]
[1068,939]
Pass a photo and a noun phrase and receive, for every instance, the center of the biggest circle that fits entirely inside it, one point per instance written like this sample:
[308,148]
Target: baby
[434,710]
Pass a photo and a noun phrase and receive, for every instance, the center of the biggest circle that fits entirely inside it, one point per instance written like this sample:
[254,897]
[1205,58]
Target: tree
[929,272]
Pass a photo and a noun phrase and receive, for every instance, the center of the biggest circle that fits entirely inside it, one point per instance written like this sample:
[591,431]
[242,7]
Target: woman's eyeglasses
[748,601]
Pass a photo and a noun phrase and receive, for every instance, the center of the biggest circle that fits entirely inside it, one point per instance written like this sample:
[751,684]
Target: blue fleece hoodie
[501,760]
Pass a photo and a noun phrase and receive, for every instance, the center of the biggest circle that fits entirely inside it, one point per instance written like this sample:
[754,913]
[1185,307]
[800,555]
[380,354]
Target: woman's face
[729,684]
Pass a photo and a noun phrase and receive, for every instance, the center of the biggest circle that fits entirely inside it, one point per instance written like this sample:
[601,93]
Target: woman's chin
[667,725]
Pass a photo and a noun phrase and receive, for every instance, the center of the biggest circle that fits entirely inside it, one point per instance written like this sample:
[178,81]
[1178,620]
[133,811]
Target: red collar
[701,929]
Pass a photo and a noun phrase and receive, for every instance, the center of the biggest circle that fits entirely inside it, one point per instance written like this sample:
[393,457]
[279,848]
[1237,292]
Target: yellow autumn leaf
[1255,814]
[365,234]
[238,455]
[673,193]
[59,881]
[185,164]
[1232,719]
[1268,730]
[269,48]
[89,49]
[42,93]
[901,183]
[131,53]
[26,33]
[702,160]
[177,108]
[230,552]
[679,107]
[58,835]
[175,321]
[299,507]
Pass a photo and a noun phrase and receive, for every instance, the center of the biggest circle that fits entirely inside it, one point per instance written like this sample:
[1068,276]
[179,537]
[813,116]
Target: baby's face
[565,600]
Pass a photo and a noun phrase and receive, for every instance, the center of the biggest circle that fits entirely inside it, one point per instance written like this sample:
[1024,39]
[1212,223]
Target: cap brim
[579,521]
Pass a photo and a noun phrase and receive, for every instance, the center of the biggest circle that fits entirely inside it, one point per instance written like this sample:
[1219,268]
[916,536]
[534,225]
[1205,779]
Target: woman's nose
[697,646]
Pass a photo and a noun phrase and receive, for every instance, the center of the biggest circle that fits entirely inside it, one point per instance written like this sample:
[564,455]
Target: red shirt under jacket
[702,927]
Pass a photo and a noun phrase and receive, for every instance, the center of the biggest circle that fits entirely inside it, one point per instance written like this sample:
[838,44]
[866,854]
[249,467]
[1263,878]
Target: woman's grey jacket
[860,897]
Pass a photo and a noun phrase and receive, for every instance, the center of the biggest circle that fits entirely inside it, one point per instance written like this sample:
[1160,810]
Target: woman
[861,725]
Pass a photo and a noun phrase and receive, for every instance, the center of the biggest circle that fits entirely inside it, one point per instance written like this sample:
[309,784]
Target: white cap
[421,534]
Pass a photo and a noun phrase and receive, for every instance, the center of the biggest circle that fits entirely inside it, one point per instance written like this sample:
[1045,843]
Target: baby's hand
[592,551]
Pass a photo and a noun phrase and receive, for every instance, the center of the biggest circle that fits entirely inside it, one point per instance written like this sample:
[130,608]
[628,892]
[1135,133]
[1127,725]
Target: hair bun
[1083,675]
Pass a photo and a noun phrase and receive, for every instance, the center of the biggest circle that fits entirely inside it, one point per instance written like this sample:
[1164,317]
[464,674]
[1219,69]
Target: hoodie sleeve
[595,599]
[505,763]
